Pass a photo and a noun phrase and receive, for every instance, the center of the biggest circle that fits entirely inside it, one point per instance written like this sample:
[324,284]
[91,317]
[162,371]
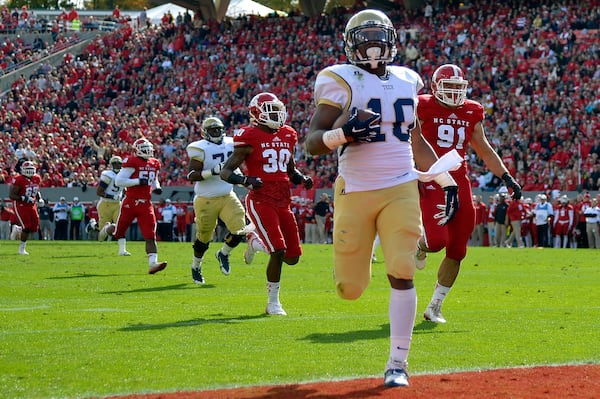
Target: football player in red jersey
[267,149]
[139,175]
[450,121]
[25,193]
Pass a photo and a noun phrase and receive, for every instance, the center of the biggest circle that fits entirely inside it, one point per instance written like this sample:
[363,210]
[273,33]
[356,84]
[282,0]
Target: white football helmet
[266,109]
[449,86]
[143,148]
[28,169]
[213,130]
[370,39]
[115,163]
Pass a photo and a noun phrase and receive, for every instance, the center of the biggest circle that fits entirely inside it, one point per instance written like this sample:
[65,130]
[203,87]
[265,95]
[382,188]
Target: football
[363,115]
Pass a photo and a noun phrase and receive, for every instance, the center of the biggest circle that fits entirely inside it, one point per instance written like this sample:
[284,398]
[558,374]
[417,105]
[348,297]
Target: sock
[402,313]
[439,293]
[273,291]
[152,258]
[196,263]
[22,246]
[226,249]
[122,242]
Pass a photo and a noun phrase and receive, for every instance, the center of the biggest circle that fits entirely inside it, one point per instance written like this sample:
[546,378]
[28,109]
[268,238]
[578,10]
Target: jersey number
[447,134]
[402,107]
[276,160]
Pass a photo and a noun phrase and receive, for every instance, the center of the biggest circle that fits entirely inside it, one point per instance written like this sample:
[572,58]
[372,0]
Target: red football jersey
[269,161]
[449,128]
[143,168]
[28,187]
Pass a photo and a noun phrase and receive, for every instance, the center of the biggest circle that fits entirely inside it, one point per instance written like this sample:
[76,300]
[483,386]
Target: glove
[29,200]
[511,183]
[41,202]
[216,170]
[143,181]
[252,183]
[307,182]
[449,209]
[361,131]
[157,191]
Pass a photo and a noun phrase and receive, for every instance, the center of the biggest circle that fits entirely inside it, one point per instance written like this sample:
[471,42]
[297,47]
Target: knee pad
[200,247]
[233,240]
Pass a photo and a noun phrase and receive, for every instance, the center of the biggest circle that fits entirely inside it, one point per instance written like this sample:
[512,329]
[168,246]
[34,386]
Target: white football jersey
[388,160]
[211,154]
[108,177]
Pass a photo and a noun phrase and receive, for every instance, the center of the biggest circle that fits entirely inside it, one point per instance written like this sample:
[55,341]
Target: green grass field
[77,321]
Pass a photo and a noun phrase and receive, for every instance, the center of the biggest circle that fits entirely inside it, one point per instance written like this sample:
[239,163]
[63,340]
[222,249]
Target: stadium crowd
[535,66]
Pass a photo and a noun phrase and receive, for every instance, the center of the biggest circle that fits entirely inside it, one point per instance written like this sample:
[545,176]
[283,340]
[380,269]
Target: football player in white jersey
[214,198]
[376,189]
[110,195]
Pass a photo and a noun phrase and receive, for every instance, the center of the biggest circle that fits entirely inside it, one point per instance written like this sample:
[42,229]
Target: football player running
[449,121]
[139,175]
[25,193]
[266,147]
[376,190]
[110,195]
[214,198]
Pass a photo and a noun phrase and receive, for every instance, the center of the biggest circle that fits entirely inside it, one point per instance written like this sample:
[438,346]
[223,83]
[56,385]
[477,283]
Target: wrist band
[334,138]
[445,180]
[206,174]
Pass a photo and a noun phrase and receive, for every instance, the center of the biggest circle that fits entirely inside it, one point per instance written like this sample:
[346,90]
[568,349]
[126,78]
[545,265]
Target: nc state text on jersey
[449,121]
[275,144]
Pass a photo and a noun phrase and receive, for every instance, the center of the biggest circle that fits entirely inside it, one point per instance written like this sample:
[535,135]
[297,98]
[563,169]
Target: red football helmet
[28,169]
[143,148]
[449,86]
[266,109]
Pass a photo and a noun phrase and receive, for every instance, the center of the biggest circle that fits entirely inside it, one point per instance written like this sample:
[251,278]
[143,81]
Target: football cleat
[107,230]
[16,230]
[396,377]
[156,267]
[223,262]
[124,253]
[434,313]
[197,275]
[23,252]
[250,251]
[275,309]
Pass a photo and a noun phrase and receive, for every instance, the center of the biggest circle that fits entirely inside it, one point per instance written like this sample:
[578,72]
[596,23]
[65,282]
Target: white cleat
[156,267]
[275,309]
[250,252]
[107,230]
[23,252]
[434,313]
[16,230]
[124,253]
[396,377]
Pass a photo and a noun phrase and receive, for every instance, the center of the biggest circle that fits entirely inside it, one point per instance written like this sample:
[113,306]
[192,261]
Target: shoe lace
[436,308]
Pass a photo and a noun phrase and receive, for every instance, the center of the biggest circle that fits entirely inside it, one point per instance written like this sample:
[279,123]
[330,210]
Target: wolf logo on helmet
[449,85]
[28,169]
[143,148]
[267,110]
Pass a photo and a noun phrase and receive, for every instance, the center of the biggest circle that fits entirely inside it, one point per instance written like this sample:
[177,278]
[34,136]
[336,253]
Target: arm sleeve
[124,179]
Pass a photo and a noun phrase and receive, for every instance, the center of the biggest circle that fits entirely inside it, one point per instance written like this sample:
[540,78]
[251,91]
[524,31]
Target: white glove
[216,170]
[41,202]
